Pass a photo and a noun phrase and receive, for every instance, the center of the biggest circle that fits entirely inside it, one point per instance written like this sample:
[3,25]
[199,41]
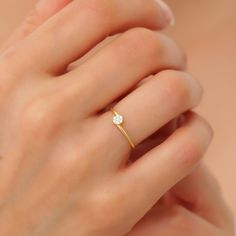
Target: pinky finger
[150,177]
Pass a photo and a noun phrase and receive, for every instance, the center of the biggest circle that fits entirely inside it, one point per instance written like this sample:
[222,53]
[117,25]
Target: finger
[41,12]
[173,220]
[201,192]
[151,106]
[75,64]
[83,24]
[154,140]
[115,69]
[150,177]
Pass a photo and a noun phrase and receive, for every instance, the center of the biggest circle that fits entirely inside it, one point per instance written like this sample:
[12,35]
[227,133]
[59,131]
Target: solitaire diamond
[118,119]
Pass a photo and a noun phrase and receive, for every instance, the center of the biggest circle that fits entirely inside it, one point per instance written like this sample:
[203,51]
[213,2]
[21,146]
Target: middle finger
[83,24]
[119,66]
[150,106]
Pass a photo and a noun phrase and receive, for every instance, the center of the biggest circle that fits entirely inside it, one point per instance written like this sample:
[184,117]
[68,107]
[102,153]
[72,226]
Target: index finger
[83,24]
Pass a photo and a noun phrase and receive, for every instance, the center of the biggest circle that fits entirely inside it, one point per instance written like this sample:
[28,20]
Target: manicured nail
[167,12]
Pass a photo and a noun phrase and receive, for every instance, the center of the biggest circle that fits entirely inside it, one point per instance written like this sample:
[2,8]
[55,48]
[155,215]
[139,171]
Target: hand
[37,16]
[193,207]
[63,162]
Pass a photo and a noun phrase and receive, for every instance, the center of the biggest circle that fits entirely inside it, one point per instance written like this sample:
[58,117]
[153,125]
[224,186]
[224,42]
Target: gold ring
[118,120]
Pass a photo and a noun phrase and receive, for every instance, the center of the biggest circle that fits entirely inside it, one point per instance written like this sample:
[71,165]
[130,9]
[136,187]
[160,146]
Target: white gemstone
[118,119]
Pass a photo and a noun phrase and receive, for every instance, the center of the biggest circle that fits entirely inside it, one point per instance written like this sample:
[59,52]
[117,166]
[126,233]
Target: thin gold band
[122,130]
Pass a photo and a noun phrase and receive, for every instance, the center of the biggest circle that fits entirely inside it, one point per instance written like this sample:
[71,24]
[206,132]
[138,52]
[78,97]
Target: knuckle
[31,22]
[36,116]
[9,60]
[140,42]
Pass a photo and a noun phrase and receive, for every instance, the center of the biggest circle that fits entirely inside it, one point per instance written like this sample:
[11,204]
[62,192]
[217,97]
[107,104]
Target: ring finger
[151,106]
[118,67]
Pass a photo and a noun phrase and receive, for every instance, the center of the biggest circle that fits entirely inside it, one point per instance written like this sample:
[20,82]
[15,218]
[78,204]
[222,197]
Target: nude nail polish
[167,12]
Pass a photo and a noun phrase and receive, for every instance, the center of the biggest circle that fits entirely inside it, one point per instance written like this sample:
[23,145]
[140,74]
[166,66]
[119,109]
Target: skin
[211,57]
[57,119]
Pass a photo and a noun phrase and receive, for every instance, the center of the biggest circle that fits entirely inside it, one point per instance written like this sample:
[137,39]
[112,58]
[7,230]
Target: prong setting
[118,119]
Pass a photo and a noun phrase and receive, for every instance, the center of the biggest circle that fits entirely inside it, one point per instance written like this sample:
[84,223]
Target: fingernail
[167,12]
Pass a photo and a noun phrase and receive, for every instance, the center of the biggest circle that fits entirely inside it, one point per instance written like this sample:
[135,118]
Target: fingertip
[167,13]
